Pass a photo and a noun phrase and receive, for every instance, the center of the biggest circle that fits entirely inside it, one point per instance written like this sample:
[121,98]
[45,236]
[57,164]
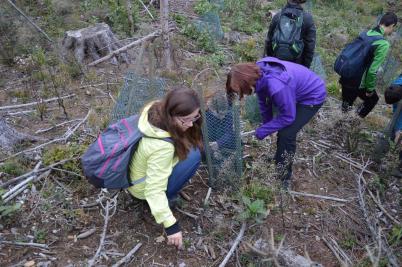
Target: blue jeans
[286,141]
[182,172]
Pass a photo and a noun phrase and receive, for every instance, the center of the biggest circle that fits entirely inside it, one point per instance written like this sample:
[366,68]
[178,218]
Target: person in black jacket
[308,34]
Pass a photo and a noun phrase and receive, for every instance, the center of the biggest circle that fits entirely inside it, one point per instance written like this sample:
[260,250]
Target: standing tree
[164,10]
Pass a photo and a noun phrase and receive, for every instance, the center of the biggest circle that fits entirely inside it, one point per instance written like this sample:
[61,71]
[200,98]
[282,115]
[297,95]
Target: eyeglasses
[190,120]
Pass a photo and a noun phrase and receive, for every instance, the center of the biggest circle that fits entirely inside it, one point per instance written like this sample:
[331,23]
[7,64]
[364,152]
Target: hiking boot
[346,107]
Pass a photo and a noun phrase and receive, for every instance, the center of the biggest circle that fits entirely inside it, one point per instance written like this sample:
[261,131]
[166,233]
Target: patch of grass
[13,167]
[334,89]
[7,211]
[395,236]
[248,50]
[60,152]
[256,190]
[349,241]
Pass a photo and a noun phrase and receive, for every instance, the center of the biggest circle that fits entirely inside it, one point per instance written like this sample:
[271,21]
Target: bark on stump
[9,137]
[93,42]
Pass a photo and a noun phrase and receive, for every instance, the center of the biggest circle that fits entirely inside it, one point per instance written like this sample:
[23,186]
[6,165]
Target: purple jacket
[285,84]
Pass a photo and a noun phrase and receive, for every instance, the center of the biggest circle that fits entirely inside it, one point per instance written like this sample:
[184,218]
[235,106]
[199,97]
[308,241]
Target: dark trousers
[350,91]
[286,141]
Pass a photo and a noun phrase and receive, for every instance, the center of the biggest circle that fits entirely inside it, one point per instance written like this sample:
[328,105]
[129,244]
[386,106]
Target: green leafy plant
[7,211]
[247,50]
[253,209]
[395,236]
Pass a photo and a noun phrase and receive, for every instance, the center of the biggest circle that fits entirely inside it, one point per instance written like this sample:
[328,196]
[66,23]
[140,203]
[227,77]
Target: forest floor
[352,219]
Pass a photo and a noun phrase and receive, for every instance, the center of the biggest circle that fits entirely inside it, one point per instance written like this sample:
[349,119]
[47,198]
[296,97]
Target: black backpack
[353,60]
[287,42]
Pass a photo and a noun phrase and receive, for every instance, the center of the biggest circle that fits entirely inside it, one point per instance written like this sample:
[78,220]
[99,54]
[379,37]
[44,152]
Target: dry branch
[195,217]
[64,138]
[342,257]
[30,21]
[36,103]
[235,243]
[393,261]
[86,233]
[317,196]
[352,163]
[129,255]
[124,48]
[18,186]
[36,245]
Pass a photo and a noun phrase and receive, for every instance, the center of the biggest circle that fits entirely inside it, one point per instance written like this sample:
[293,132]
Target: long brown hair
[178,101]
[241,79]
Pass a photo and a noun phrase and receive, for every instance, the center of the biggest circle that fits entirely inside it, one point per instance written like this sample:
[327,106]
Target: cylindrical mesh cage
[222,140]
[136,92]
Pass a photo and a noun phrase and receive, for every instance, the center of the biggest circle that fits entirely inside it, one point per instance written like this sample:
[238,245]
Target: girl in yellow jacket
[166,166]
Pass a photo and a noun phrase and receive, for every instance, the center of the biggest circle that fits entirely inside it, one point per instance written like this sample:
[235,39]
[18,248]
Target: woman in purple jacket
[295,91]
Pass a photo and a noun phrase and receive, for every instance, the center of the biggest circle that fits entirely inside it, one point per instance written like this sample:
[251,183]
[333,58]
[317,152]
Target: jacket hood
[272,71]
[148,129]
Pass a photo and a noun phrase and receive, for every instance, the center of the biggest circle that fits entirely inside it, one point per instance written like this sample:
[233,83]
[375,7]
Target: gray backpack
[106,161]
[287,42]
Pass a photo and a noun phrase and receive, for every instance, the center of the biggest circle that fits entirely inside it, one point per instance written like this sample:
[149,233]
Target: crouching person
[295,91]
[393,95]
[168,155]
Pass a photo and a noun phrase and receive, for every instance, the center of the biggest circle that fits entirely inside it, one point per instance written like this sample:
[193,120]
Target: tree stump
[93,43]
[9,137]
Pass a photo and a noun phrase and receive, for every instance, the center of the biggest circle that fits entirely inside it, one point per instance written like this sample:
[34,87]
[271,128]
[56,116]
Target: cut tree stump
[9,137]
[93,43]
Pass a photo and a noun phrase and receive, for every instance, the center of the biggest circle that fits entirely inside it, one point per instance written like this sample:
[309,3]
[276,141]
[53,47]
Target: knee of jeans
[194,155]
[375,98]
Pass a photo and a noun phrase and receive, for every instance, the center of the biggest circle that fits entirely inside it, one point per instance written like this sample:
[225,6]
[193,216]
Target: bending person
[168,156]
[295,91]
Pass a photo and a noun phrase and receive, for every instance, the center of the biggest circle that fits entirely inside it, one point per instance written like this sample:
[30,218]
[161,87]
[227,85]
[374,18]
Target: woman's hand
[176,239]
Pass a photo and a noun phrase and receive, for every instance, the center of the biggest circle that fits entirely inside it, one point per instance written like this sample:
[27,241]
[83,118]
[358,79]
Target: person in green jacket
[167,164]
[364,88]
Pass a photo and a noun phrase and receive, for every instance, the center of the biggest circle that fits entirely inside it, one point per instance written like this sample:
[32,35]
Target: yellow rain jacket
[153,159]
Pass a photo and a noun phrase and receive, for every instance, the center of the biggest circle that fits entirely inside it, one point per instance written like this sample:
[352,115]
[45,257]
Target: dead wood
[317,196]
[36,245]
[94,43]
[124,48]
[234,246]
[10,137]
[128,257]
[36,103]
[372,223]
[86,233]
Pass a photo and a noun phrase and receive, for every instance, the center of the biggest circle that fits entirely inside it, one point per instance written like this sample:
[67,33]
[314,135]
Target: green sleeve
[380,54]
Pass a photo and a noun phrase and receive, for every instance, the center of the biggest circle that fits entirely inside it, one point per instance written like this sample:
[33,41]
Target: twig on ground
[86,233]
[64,138]
[207,196]
[36,245]
[109,210]
[352,163]
[317,196]
[57,125]
[69,172]
[25,185]
[373,225]
[36,103]
[30,178]
[128,257]
[247,133]
[235,243]
[195,217]
[342,257]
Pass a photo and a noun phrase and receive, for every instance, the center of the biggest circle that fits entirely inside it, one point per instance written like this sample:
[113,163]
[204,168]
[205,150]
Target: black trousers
[286,141]
[350,91]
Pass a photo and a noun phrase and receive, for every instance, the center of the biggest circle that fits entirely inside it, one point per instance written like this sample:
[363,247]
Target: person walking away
[362,80]
[393,95]
[292,35]
[166,166]
[295,91]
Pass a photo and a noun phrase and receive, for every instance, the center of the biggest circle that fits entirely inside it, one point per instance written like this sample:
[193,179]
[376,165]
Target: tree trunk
[164,4]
